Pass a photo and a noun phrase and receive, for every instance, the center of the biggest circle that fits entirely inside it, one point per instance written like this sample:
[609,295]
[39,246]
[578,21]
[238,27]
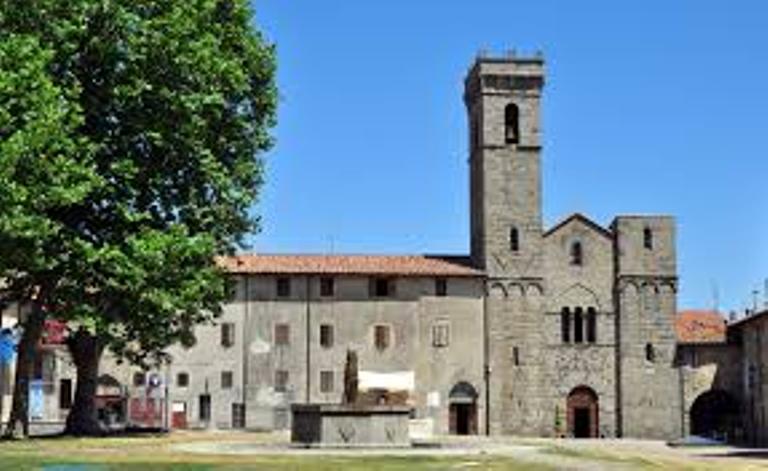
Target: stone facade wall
[706,368]
[650,385]
[754,378]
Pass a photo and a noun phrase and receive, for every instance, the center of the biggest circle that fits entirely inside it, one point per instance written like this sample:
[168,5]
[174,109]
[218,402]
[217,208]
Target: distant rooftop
[697,326]
[402,265]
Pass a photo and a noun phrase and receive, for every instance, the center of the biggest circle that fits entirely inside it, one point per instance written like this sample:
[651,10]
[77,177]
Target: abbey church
[538,331]
[562,331]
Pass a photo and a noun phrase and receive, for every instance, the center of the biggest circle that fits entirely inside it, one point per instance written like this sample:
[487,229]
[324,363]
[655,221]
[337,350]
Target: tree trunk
[18,423]
[86,350]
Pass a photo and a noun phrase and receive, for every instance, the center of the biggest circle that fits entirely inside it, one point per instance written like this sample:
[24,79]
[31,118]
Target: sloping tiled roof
[403,265]
[700,326]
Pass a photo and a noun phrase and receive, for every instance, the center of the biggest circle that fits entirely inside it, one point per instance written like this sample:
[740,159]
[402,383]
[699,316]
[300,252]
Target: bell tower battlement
[503,99]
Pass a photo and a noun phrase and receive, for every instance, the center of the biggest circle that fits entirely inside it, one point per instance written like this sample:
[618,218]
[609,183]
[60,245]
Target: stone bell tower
[503,97]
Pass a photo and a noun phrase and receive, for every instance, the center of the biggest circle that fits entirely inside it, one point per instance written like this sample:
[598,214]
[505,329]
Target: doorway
[463,419]
[583,413]
[462,409]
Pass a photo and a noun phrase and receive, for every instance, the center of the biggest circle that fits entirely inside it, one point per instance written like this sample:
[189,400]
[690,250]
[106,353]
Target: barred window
[326,381]
[227,334]
[441,334]
[326,335]
[281,380]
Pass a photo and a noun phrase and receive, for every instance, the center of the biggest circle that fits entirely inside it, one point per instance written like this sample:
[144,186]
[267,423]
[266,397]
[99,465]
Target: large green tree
[176,100]
[45,167]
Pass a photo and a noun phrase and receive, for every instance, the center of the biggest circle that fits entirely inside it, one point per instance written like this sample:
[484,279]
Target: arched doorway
[462,403]
[715,414]
[583,413]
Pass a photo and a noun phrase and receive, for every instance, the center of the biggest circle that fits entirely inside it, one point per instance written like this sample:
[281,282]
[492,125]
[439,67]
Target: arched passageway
[714,413]
[583,413]
[462,409]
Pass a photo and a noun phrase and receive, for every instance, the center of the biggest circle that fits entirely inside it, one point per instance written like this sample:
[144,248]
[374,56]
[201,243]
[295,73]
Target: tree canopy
[137,163]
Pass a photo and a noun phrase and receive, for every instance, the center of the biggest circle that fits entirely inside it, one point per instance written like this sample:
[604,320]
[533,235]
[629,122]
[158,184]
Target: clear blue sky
[650,107]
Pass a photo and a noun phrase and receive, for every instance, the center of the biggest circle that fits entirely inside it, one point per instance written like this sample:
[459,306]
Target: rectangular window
[227,334]
[205,408]
[182,380]
[441,287]
[282,334]
[441,333]
[326,286]
[326,335]
[565,325]
[381,337]
[281,380]
[591,325]
[226,380]
[65,394]
[283,287]
[578,326]
[238,415]
[516,356]
[326,381]
[139,379]
[382,287]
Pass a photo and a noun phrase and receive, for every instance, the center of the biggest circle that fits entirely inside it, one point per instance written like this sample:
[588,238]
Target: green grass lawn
[154,453]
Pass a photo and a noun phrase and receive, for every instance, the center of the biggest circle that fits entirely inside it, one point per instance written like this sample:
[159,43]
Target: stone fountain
[369,420]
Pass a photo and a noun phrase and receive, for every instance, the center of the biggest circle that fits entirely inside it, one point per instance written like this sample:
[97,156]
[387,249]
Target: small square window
[382,287]
[441,287]
[281,380]
[227,334]
[440,334]
[326,381]
[226,380]
[283,287]
[326,286]
[381,338]
[182,380]
[139,379]
[282,334]
[326,335]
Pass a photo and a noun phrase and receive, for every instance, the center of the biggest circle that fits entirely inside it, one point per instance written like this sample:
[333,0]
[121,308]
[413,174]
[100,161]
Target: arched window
[577,255]
[648,238]
[591,325]
[578,325]
[650,353]
[514,239]
[565,325]
[512,124]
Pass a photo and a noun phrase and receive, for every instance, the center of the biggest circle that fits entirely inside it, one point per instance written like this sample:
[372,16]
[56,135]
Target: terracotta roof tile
[700,326]
[404,265]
